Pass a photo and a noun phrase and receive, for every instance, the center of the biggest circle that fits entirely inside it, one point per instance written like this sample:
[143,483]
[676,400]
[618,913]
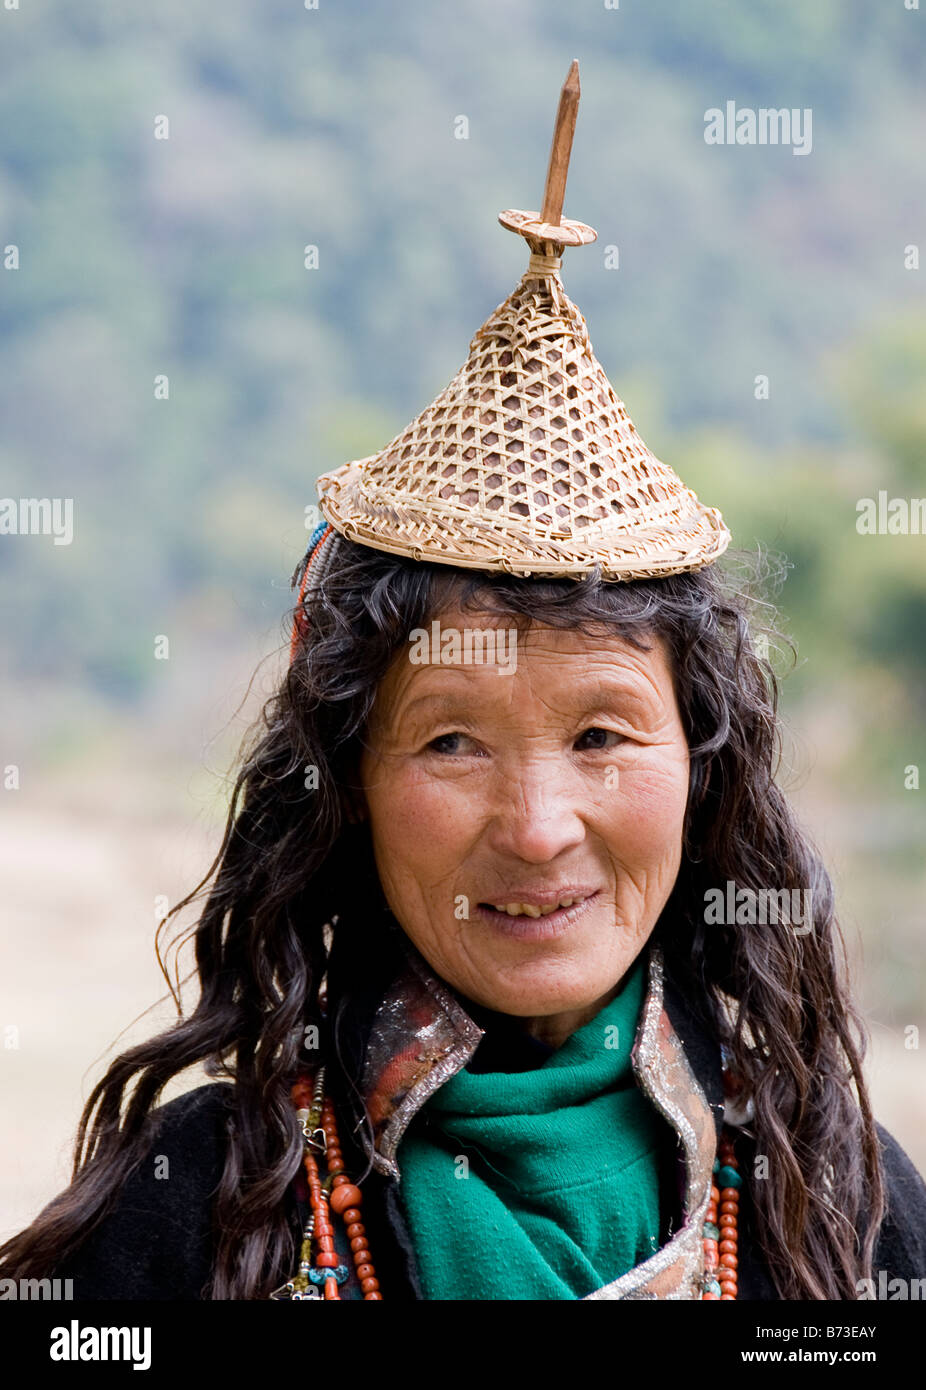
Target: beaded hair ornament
[316,564]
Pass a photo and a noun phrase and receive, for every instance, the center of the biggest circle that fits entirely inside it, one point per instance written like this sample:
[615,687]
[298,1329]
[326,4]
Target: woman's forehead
[587,667]
[542,638]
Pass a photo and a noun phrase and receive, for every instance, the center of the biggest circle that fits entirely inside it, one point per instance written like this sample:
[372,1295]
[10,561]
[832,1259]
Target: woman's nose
[535,815]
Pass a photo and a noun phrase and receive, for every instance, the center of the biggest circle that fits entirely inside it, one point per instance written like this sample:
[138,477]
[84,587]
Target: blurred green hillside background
[337,128]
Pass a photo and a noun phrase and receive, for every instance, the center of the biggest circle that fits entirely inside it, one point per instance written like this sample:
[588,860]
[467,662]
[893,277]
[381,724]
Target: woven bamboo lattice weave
[528,461]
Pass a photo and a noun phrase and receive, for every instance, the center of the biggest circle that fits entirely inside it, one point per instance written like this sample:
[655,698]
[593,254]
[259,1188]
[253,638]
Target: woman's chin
[527,975]
[540,993]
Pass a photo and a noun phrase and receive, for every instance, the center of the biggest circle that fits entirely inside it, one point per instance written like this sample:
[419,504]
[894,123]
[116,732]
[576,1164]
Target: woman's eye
[449,743]
[598,739]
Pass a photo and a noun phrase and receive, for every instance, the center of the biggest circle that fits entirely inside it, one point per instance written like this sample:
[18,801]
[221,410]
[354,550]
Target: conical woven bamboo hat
[527,461]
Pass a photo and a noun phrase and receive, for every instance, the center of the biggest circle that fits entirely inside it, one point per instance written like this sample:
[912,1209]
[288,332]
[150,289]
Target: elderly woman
[528,1024]
[518,977]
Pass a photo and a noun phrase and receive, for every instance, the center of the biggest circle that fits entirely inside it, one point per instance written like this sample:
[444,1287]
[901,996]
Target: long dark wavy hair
[284,871]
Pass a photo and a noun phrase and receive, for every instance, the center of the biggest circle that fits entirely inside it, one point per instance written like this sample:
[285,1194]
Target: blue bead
[339,1272]
[729,1177]
[711,1232]
[716,1167]
[317,534]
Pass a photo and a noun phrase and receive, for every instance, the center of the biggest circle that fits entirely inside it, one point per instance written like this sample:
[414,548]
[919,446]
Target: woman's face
[494,797]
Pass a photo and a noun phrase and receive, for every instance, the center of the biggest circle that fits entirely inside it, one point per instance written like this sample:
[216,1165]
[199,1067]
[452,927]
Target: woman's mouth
[538,920]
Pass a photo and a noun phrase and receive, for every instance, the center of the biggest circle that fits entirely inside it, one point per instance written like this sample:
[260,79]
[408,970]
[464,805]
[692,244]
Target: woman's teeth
[527,910]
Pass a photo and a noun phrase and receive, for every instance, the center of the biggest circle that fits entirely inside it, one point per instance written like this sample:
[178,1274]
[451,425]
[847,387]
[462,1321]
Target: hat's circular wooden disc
[528,224]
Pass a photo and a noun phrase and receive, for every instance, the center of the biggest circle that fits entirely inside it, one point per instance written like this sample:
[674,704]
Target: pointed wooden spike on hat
[558,168]
[549,225]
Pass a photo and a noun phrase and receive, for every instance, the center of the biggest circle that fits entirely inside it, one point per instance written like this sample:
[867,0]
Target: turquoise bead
[713,1287]
[728,1177]
[711,1232]
[318,1276]
[716,1167]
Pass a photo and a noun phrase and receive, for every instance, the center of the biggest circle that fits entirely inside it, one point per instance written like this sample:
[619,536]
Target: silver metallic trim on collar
[464,1036]
[664,1074]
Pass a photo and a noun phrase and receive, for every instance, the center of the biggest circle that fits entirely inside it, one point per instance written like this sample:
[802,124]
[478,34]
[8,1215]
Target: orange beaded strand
[345,1200]
[721,1240]
[335,1195]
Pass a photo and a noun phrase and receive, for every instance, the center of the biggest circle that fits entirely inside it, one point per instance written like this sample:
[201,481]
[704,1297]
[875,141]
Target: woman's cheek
[418,811]
[649,806]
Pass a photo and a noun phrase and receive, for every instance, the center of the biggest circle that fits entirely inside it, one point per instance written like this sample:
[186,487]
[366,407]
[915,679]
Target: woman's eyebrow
[438,702]
[616,692]
[599,694]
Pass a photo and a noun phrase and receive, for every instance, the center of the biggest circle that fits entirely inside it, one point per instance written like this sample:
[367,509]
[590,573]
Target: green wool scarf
[545,1183]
